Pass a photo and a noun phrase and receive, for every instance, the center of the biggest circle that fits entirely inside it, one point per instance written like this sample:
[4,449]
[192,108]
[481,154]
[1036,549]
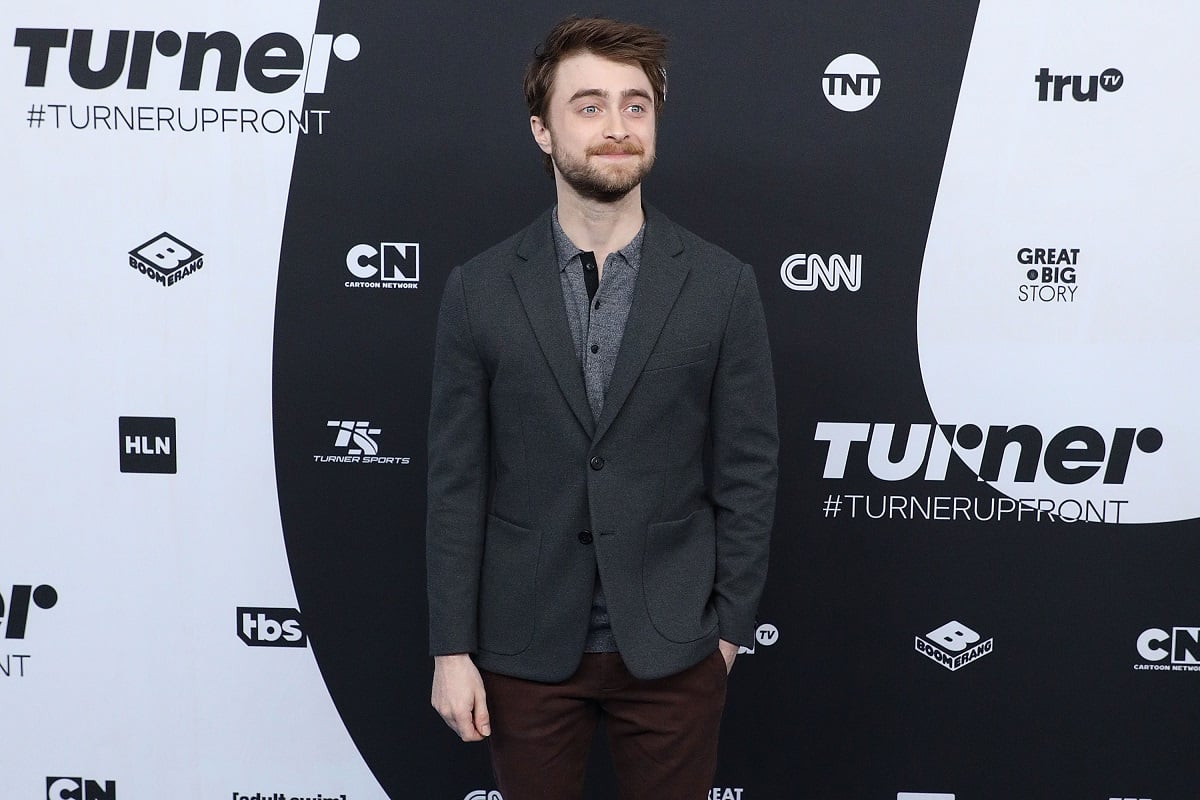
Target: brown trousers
[662,733]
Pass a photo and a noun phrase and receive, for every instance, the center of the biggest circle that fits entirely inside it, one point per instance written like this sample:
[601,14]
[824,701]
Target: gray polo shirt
[597,327]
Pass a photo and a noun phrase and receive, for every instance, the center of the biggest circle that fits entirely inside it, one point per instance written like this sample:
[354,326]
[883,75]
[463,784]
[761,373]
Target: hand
[729,652]
[459,697]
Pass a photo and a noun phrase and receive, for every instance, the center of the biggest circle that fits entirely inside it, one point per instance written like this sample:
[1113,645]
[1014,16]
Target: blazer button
[585,537]
[596,463]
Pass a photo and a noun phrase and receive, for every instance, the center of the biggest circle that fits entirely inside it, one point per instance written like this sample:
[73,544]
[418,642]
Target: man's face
[599,126]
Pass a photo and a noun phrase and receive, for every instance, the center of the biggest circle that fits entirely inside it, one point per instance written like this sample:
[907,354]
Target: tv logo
[953,645]
[397,265]
[17,610]
[270,627]
[273,62]
[1051,87]
[851,82]
[80,789]
[765,635]
[147,444]
[831,274]
[166,259]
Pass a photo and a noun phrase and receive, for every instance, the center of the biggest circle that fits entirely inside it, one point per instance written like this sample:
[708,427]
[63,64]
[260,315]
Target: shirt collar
[568,250]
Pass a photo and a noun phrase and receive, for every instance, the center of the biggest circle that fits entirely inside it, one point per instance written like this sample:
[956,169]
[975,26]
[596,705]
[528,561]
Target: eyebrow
[625,94]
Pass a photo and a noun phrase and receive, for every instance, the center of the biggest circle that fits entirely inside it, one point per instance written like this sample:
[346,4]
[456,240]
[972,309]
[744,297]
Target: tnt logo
[393,265]
[802,271]
[765,635]
[147,444]
[953,645]
[16,614]
[270,627]
[1052,87]
[851,82]
[80,789]
[166,259]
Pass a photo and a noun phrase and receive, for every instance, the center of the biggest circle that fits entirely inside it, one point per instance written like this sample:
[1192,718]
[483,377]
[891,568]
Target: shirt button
[597,304]
[585,537]
[595,348]
[596,462]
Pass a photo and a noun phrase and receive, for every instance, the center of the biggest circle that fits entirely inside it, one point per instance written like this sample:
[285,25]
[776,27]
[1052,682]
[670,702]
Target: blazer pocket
[677,358]
[679,567]
[508,587]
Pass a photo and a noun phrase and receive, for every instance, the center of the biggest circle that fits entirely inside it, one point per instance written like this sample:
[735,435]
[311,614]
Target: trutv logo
[14,617]
[1053,87]
[80,789]
[272,63]
[270,627]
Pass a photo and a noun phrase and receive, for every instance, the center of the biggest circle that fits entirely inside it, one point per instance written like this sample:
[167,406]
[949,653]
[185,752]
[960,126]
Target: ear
[541,133]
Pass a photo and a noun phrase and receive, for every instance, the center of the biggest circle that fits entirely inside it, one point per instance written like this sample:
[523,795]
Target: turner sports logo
[80,789]
[803,272]
[953,645]
[270,627]
[1174,651]
[1073,455]
[391,265]
[1053,87]
[356,441]
[166,259]
[272,63]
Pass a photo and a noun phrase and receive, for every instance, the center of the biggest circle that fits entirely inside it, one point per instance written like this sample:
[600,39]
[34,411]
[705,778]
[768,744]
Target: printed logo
[270,627]
[483,794]
[392,265]
[147,444]
[725,793]
[923,796]
[1176,651]
[356,438]
[80,789]
[851,82]
[1050,272]
[14,621]
[1053,87]
[166,259]
[282,796]
[803,271]
[765,635]
[953,645]
[1129,798]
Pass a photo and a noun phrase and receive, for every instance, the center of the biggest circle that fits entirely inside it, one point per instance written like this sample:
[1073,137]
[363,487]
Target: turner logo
[1021,453]
[953,645]
[392,265]
[803,271]
[166,259]
[147,444]
[1174,651]
[765,635]
[272,63]
[1053,87]
[270,627]
[356,440]
[80,789]
[851,82]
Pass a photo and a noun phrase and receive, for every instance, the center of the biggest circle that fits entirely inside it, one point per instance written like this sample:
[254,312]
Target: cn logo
[1181,645]
[393,262]
[483,794]
[44,597]
[80,789]
[851,82]
[802,272]
[359,433]
[270,627]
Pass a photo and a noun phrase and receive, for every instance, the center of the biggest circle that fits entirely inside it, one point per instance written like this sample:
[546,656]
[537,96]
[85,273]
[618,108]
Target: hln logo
[17,611]
[270,627]
[802,272]
[80,789]
[148,444]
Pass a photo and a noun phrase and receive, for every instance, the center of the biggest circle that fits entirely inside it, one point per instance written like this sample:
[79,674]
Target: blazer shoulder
[702,255]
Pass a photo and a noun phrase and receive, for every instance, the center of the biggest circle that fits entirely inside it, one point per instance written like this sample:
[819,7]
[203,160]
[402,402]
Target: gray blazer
[670,494]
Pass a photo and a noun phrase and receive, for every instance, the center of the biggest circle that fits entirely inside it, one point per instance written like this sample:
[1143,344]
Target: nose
[616,128]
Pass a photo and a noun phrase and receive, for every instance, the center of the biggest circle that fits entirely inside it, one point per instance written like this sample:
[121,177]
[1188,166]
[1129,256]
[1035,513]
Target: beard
[606,183]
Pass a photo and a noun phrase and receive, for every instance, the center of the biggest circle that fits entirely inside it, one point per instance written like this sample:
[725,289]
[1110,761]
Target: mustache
[626,148]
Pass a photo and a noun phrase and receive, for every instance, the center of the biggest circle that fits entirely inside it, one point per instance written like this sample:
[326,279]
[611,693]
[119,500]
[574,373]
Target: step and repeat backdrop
[226,228]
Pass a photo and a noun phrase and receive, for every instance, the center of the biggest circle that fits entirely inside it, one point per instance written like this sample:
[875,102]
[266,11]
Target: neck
[599,226]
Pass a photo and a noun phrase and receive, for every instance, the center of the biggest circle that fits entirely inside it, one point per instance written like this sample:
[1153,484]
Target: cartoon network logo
[1174,651]
[391,265]
[803,272]
[272,63]
[80,789]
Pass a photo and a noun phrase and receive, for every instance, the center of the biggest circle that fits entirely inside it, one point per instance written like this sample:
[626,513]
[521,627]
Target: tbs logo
[1051,87]
[44,596]
[165,259]
[392,265]
[80,789]
[270,627]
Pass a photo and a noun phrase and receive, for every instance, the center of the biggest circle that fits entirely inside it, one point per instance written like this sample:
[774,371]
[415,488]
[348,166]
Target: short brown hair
[623,42]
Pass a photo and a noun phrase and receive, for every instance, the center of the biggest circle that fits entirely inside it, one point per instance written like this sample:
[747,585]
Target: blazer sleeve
[745,448]
[457,480]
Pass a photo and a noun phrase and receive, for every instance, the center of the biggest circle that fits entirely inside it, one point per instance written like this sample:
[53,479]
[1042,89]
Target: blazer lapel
[660,277]
[540,288]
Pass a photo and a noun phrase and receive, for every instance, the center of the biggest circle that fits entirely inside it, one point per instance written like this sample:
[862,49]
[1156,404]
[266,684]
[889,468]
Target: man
[602,456]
